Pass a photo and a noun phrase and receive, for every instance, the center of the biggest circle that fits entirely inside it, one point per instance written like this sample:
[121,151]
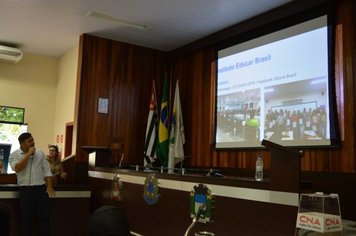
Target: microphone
[122,158]
[33,153]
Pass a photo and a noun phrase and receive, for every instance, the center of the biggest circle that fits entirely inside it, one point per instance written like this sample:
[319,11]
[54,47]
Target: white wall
[65,94]
[45,87]
[31,84]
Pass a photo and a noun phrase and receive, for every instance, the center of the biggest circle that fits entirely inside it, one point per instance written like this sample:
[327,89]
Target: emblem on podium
[116,188]
[201,201]
[150,193]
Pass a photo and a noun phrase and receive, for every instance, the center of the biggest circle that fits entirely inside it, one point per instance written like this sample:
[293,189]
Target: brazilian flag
[163,142]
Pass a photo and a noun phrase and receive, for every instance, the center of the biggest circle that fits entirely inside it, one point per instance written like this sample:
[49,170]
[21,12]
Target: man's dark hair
[108,221]
[24,136]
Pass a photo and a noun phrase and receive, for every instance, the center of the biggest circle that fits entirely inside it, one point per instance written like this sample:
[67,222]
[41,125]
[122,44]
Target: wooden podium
[285,167]
[101,156]
[284,177]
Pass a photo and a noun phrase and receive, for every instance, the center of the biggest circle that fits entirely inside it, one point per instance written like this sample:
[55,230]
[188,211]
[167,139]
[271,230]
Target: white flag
[151,130]
[176,138]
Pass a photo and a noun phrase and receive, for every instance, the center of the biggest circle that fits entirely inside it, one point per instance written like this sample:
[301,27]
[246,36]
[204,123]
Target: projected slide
[275,88]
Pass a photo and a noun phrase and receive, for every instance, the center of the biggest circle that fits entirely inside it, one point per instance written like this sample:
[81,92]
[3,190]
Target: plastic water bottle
[259,168]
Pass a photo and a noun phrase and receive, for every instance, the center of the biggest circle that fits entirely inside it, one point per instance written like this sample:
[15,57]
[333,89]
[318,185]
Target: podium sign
[319,222]
[319,213]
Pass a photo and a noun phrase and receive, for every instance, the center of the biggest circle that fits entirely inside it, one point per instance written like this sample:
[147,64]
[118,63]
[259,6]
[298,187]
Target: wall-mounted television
[277,86]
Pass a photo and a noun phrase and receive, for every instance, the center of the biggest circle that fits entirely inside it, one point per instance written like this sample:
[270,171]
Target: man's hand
[31,151]
[51,192]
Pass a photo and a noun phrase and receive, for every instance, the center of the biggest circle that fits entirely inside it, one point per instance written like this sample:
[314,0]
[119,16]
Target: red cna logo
[332,221]
[309,220]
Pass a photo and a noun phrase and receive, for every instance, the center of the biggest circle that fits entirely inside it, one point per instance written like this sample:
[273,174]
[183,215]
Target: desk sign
[116,192]
[319,222]
[319,212]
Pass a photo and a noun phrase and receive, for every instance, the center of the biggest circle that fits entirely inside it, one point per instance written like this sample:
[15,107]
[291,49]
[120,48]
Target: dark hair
[24,136]
[108,220]
[53,146]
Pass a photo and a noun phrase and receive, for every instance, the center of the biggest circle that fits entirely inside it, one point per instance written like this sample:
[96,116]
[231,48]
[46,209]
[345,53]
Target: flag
[162,147]
[176,138]
[151,130]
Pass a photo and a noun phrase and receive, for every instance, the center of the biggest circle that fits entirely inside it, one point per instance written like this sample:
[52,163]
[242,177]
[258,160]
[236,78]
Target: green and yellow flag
[163,142]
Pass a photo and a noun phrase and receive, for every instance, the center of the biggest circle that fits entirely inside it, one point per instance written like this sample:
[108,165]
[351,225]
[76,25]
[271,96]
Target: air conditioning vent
[10,54]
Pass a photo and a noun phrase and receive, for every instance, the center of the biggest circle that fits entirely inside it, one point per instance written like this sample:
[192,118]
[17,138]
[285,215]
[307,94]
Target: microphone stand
[195,219]
[122,158]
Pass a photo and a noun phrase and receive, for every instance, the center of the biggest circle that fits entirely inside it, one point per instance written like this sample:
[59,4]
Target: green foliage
[7,131]
[12,114]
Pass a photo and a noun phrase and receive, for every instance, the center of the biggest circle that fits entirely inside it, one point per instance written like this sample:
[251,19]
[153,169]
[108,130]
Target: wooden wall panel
[123,72]
[346,64]
[197,83]
[196,72]
[93,127]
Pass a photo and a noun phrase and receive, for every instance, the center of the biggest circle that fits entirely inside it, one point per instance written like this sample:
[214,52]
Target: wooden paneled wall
[196,71]
[197,84]
[122,73]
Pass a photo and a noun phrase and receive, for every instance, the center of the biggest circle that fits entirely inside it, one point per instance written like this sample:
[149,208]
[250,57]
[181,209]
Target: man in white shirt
[35,186]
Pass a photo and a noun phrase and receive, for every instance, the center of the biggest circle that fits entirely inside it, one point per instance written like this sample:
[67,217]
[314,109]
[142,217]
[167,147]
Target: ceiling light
[118,21]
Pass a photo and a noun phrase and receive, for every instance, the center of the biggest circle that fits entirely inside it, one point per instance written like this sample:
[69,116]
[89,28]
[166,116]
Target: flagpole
[181,166]
[176,136]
